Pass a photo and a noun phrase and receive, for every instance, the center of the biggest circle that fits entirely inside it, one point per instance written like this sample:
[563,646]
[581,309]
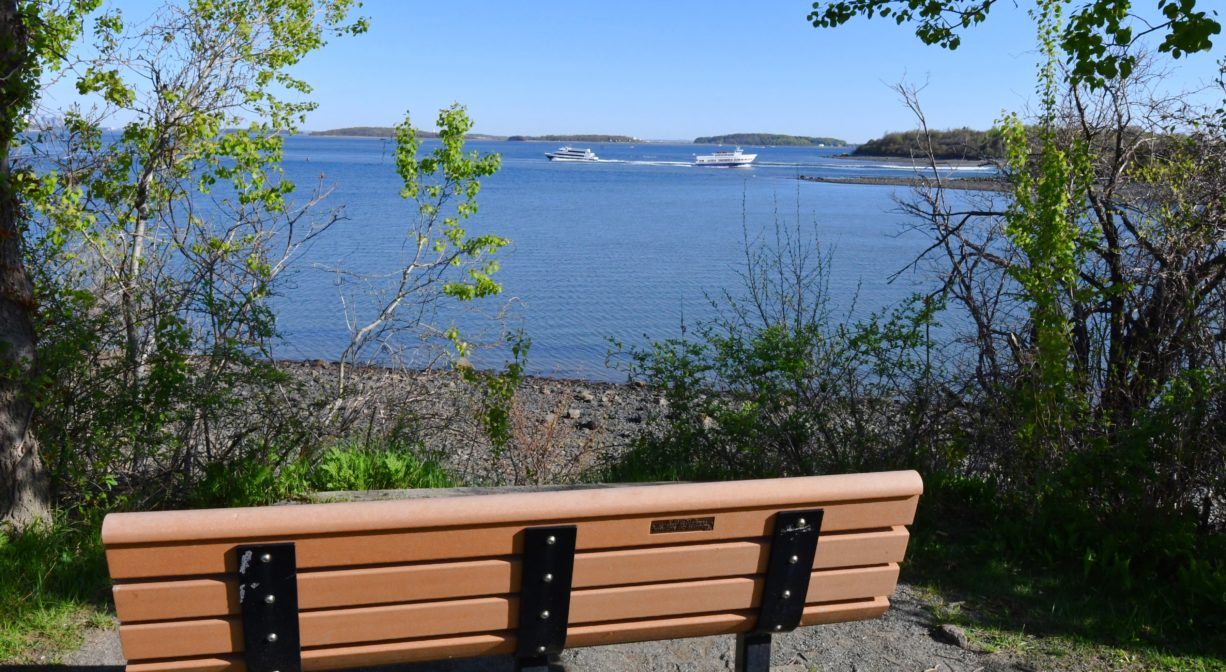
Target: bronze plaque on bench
[683,525]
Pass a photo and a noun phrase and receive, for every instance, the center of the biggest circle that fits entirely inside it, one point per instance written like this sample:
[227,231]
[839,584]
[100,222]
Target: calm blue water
[620,249]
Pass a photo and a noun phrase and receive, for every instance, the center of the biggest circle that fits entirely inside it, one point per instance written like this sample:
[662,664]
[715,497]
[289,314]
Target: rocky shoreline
[561,429]
[918,160]
[963,183]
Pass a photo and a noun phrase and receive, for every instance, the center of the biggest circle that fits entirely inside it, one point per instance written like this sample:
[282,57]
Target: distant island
[963,144]
[769,140]
[587,137]
[389,132]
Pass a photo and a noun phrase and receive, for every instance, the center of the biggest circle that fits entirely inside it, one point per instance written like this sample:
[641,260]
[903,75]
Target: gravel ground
[902,640]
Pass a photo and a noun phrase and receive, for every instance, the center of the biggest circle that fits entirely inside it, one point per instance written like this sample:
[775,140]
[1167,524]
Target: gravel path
[902,640]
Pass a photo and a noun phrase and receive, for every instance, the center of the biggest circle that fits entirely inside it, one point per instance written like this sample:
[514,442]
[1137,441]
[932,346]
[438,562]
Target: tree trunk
[24,494]
[23,480]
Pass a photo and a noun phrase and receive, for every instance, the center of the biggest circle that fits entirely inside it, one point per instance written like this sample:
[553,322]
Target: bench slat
[322,659]
[481,615]
[199,598]
[398,546]
[537,508]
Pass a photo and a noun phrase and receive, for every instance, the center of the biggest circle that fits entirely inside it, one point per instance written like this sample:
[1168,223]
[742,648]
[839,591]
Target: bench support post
[753,652]
[793,545]
[544,596]
[268,599]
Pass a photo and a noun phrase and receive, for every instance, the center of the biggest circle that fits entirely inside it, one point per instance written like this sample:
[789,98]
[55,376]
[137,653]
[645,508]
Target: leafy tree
[34,37]
[160,243]
[1096,296]
[1095,39]
[1090,401]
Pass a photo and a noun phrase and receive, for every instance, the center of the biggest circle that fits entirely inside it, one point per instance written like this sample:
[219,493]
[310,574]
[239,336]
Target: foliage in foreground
[1100,41]
[1137,576]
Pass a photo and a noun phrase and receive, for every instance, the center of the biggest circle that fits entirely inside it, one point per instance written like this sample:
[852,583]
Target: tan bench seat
[399,581]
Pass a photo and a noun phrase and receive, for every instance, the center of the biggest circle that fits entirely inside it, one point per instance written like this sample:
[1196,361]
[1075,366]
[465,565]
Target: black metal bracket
[787,571]
[544,599]
[793,546]
[268,600]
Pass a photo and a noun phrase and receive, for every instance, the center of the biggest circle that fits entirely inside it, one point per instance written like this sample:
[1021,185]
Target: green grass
[54,584]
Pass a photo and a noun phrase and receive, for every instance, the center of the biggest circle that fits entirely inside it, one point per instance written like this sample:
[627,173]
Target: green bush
[777,386]
[346,466]
[352,467]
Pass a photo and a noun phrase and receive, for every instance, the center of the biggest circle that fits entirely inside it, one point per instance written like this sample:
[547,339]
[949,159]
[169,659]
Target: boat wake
[631,162]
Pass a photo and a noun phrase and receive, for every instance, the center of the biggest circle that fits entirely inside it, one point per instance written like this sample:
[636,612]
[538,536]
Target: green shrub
[352,467]
[346,466]
[775,385]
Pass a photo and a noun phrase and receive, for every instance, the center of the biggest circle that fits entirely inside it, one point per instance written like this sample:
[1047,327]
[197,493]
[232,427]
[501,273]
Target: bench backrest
[399,581]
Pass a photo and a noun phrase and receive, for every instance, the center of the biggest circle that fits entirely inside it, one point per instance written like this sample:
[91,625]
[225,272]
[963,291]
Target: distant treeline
[768,139]
[389,132]
[591,137]
[959,143]
[370,132]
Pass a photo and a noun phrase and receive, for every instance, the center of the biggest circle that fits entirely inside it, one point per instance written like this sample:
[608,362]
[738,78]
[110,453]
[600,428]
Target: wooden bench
[331,586]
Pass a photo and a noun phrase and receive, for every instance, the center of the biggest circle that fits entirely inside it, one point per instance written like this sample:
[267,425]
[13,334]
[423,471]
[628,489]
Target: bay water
[628,248]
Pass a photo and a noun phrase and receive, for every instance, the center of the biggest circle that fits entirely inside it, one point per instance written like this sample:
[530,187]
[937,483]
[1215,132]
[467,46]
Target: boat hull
[737,159]
[572,155]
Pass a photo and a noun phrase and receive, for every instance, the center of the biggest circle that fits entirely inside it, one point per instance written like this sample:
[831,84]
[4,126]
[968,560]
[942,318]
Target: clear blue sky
[668,69]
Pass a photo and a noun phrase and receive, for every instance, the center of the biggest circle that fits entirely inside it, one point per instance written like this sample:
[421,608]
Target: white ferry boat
[572,154]
[729,159]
